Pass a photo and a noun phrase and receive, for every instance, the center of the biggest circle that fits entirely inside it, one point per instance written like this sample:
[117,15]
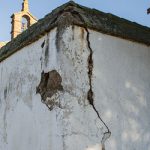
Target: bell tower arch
[22,20]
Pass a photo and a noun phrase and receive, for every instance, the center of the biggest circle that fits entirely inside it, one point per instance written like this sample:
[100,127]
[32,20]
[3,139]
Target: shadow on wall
[128,118]
[138,94]
[137,123]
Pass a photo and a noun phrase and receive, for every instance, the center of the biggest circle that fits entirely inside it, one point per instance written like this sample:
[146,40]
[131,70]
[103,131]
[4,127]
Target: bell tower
[22,20]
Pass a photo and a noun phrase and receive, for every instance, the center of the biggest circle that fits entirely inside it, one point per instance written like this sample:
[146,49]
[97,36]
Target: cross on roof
[148,11]
[25,6]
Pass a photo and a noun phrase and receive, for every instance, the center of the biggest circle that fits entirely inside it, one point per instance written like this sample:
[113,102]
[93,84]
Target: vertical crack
[46,55]
[90,98]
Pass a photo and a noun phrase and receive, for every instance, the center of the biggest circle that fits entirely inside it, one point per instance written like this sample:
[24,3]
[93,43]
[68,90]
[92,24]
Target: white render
[121,87]
[120,83]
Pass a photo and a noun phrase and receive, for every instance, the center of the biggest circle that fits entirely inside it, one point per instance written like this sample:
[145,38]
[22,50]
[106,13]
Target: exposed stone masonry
[50,84]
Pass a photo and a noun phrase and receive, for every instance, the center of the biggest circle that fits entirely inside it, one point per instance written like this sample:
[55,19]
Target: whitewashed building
[78,79]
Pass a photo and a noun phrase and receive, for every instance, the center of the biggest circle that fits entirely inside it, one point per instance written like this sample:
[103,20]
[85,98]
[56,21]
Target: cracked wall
[90,93]
[64,117]
[120,87]
[73,93]
[72,55]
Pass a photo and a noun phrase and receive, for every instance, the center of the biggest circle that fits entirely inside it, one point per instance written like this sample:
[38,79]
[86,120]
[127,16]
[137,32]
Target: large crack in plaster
[106,134]
[49,96]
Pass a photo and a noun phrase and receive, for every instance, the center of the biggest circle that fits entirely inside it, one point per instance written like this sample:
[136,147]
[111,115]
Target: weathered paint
[27,123]
[118,80]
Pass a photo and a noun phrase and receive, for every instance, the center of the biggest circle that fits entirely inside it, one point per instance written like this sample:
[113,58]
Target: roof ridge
[81,16]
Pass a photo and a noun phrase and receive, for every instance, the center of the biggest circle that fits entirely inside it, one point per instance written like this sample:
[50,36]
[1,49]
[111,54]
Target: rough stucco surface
[66,120]
[25,121]
[121,88]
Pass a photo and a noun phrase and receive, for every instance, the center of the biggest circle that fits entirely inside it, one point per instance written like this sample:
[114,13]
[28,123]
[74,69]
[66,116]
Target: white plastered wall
[119,82]
[121,88]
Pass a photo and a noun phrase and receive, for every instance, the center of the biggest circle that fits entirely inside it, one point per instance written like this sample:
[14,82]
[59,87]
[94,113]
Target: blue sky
[134,10]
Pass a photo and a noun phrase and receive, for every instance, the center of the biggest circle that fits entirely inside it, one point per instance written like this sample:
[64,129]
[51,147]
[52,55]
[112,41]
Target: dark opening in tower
[25,23]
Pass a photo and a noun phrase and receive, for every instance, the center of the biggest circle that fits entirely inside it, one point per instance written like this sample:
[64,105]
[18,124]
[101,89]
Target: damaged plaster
[49,85]
[82,79]
[90,94]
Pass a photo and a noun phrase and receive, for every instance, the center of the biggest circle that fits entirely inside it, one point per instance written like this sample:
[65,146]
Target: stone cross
[25,6]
